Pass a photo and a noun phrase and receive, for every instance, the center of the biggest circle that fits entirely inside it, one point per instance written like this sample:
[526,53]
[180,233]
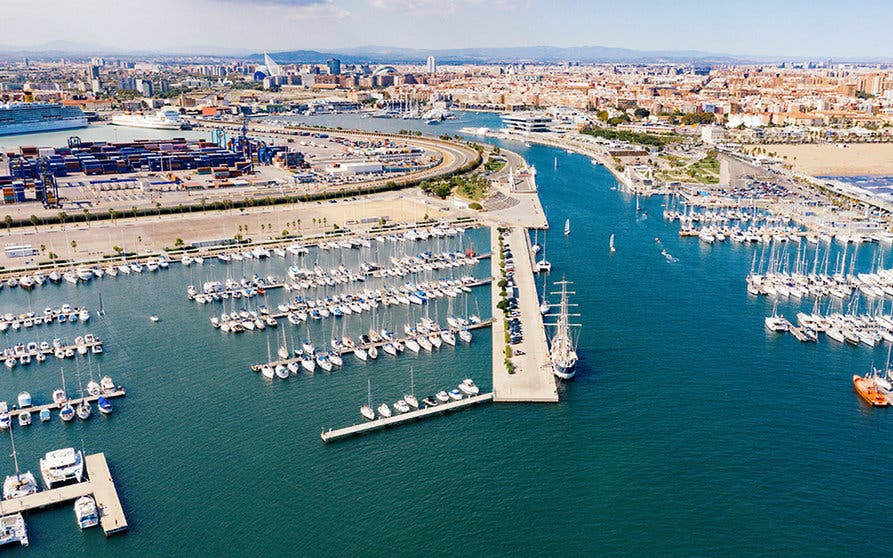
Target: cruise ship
[563,349]
[168,118]
[28,118]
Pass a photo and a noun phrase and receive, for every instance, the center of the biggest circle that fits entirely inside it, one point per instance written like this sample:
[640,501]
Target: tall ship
[563,345]
[29,118]
[168,118]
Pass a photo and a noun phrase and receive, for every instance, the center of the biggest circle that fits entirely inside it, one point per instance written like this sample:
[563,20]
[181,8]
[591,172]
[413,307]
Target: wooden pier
[377,345]
[99,484]
[377,424]
[117,392]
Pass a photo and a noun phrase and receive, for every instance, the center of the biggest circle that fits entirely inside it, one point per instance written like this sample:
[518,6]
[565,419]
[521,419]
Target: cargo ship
[167,118]
[868,390]
[29,118]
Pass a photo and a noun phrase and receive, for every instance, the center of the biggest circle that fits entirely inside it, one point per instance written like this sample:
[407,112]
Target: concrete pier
[99,484]
[377,424]
[532,380]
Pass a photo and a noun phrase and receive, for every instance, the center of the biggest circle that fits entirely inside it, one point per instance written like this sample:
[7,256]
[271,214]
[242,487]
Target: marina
[682,309]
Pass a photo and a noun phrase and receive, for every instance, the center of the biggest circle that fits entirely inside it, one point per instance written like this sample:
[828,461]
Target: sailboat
[20,484]
[66,412]
[611,244]
[543,265]
[84,409]
[567,227]
[366,410]
[563,349]
[410,399]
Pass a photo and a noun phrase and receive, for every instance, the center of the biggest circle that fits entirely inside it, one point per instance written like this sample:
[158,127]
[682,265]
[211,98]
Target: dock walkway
[377,345]
[377,424]
[117,392]
[533,380]
[99,484]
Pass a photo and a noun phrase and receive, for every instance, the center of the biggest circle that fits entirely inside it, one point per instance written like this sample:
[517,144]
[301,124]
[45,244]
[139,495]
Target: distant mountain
[544,54]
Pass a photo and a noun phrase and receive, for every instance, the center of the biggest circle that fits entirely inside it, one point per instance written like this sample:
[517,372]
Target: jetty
[532,380]
[376,344]
[99,483]
[380,423]
[111,394]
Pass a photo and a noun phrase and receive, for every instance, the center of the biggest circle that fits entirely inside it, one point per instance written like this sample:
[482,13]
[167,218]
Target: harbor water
[689,429]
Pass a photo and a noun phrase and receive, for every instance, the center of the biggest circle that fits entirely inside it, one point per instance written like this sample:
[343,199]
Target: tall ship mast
[563,349]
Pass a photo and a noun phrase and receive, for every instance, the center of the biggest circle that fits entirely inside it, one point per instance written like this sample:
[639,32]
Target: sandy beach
[830,160]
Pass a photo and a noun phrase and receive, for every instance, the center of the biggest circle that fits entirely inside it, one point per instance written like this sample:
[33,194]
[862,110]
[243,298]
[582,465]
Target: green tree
[178,242]
[74,244]
[34,221]
[442,190]
[8,221]
[117,249]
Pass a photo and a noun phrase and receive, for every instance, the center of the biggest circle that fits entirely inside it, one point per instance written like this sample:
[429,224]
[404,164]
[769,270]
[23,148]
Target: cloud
[440,7]
[295,9]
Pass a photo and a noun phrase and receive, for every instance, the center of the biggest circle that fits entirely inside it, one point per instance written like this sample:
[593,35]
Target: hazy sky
[816,28]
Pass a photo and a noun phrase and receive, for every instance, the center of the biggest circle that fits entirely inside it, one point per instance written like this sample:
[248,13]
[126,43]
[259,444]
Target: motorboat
[384,411]
[45,415]
[468,388]
[24,418]
[455,394]
[430,401]
[24,399]
[5,419]
[107,384]
[62,466]
[86,512]
[442,396]
[104,405]
[869,392]
[401,406]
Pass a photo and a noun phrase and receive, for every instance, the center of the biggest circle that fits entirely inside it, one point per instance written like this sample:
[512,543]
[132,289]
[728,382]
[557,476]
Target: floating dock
[377,424]
[377,345]
[117,392]
[99,484]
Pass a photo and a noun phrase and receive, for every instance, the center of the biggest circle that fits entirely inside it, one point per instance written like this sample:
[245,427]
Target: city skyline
[760,29]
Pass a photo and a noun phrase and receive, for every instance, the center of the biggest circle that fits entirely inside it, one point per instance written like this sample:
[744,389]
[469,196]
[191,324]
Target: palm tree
[34,221]
[62,217]
[8,221]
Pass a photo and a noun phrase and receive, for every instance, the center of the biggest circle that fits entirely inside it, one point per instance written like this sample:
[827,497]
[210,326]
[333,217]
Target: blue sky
[796,28]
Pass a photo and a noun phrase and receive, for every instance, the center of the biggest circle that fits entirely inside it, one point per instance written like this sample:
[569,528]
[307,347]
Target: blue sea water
[689,429]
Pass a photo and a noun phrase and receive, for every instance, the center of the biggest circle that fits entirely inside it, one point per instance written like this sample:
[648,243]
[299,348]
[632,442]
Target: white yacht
[366,410]
[62,466]
[468,388]
[86,512]
[384,411]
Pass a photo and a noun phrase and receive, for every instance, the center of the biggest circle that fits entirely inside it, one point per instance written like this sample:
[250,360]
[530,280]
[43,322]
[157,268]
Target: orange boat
[868,390]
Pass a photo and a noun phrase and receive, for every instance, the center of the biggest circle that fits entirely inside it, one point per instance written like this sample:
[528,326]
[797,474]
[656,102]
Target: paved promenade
[533,380]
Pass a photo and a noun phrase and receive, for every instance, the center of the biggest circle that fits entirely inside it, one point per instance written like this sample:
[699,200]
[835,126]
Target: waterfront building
[526,122]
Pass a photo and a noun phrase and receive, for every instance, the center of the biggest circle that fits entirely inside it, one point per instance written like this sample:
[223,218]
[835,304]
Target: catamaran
[19,484]
[563,349]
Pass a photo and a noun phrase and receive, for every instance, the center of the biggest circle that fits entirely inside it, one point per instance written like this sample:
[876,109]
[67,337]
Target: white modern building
[526,122]
[432,65]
